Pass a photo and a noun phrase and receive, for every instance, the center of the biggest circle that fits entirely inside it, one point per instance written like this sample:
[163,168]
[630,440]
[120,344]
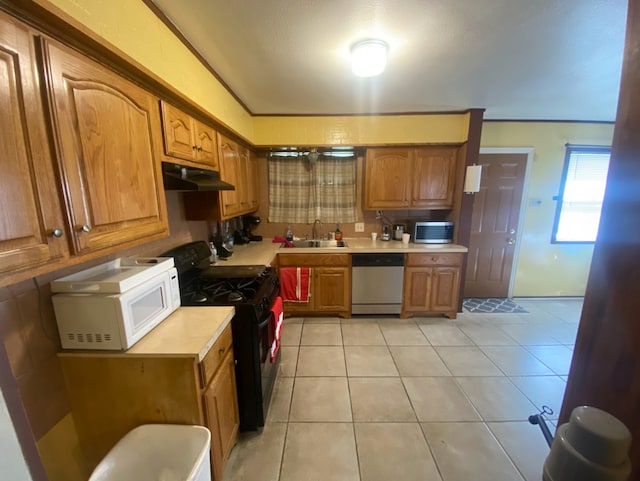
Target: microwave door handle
[264,323]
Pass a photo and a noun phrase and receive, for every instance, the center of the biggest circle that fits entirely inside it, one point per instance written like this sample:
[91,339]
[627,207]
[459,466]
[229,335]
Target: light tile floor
[368,399]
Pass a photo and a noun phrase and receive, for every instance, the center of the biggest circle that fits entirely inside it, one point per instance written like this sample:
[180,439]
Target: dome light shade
[368,58]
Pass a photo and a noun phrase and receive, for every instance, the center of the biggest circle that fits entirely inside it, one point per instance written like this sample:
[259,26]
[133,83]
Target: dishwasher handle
[377,260]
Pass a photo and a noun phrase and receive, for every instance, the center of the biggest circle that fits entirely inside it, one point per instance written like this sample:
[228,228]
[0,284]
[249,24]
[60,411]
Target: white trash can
[158,452]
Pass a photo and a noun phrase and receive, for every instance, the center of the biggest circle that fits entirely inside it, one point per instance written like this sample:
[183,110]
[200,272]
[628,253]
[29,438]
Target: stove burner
[235,296]
[199,297]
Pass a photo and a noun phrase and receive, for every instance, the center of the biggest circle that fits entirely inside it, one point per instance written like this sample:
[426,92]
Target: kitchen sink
[319,243]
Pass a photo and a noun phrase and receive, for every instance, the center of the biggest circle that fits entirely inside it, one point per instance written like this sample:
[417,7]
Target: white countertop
[264,252]
[187,331]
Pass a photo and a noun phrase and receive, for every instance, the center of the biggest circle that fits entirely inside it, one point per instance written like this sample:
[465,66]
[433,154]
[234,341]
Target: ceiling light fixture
[369,58]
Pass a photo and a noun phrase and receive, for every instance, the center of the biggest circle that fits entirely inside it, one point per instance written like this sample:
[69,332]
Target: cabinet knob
[511,241]
[84,228]
[56,233]
[199,149]
[221,351]
[194,147]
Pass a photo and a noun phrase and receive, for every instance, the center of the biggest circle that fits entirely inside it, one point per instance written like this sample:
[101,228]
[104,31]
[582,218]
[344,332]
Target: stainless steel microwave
[433,233]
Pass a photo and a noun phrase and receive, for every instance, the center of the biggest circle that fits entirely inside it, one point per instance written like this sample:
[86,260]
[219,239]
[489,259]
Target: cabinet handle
[84,228]
[56,233]
[221,351]
[194,147]
[199,149]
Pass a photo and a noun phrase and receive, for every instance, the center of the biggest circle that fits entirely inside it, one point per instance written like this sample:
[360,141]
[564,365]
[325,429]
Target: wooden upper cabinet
[434,178]
[177,128]
[206,145]
[388,178]
[104,130]
[238,167]
[420,178]
[31,210]
[188,138]
[231,171]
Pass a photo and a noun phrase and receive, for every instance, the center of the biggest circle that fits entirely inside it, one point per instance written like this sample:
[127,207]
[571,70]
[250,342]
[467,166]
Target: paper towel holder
[472,179]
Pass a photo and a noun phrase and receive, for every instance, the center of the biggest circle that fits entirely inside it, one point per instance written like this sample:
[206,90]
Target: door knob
[511,241]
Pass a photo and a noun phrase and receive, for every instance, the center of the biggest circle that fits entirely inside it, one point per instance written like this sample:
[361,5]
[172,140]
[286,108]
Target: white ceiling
[518,59]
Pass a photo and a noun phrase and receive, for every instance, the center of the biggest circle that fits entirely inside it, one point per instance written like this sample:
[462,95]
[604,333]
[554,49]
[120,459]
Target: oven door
[268,369]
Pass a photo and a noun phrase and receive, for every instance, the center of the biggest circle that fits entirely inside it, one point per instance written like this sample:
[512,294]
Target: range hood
[182,178]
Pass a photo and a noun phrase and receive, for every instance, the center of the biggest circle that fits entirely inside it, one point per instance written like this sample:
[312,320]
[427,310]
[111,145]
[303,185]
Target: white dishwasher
[376,283]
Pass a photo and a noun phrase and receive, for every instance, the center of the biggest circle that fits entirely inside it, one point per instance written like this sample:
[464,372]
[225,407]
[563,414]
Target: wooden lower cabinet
[112,393]
[431,284]
[330,284]
[221,408]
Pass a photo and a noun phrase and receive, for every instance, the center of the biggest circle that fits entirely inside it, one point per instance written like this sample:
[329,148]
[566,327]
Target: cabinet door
[29,197]
[434,178]
[388,174]
[178,132]
[221,409]
[206,145]
[249,180]
[445,289]
[417,289]
[253,182]
[230,171]
[104,134]
[332,289]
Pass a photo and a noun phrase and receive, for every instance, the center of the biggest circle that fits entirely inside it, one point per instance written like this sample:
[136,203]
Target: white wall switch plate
[359,226]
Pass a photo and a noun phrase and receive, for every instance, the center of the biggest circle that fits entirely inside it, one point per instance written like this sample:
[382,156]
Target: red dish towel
[294,283]
[275,328]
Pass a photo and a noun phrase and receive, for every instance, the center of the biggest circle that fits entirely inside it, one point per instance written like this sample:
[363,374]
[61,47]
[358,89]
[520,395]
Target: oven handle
[265,322]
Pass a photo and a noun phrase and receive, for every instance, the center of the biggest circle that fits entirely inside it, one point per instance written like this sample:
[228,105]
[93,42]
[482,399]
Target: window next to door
[582,187]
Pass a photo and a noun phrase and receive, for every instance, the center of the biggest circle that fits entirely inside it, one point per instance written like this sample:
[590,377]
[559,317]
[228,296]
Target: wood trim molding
[372,114]
[466,205]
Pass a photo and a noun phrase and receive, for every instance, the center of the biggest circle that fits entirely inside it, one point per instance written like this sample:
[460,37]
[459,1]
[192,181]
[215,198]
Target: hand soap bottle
[338,232]
[289,234]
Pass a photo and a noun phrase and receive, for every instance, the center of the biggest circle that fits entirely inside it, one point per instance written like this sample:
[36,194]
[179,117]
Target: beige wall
[361,130]
[545,269]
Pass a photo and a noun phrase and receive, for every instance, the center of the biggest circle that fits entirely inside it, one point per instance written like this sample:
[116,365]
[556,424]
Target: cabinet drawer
[452,259]
[215,356]
[332,260]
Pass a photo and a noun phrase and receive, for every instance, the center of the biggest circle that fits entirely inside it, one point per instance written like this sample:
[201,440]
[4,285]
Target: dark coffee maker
[249,223]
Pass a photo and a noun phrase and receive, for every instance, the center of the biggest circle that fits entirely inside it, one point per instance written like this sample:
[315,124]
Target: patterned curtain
[301,191]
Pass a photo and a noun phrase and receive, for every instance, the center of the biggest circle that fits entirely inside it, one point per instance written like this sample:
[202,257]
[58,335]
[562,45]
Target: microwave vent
[88,337]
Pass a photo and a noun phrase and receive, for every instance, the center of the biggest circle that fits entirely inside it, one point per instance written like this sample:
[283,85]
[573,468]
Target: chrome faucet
[314,232]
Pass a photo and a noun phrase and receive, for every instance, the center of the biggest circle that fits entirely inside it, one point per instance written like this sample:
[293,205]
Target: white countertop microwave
[113,305]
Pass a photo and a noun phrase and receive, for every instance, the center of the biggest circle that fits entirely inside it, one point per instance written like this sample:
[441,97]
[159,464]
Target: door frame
[523,207]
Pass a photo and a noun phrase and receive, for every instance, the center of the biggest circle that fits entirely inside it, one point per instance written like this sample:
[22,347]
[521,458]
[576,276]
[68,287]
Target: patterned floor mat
[491,305]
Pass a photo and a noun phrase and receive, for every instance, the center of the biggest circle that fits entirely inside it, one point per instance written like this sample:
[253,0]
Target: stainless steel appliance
[113,305]
[386,232]
[433,232]
[252,290]
[376,283]
[398,230]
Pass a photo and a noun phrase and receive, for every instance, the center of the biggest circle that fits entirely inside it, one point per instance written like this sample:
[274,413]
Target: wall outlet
[359,226]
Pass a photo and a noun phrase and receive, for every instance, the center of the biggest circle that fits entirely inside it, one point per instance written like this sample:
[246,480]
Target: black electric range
[252,290]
